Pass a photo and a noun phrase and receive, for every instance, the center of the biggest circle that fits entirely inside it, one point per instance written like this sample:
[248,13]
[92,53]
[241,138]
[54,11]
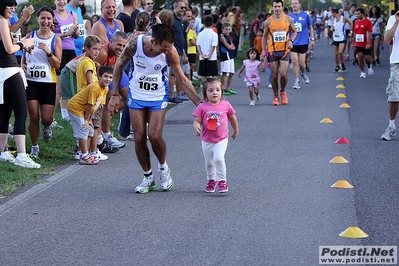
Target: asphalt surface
[279,209]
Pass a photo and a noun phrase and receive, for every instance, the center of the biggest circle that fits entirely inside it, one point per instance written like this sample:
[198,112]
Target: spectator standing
[226,53]
[207,43]
[12,93]
[378,32]
[67,28]
[107,25]
[41,74]
[126,16]
[181,47]
[392,34]
[254,29]
[76,7]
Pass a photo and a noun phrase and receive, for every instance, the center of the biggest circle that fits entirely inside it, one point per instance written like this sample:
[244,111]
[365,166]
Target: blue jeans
[124,127]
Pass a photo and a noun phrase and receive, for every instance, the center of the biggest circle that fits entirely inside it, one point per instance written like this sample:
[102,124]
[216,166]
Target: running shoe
[222,186]
[34,152]
[174,100]
[276,101]
[147,184]
[296,85]
[305,78]
[389,133]
[99,155]
[370,70]
[129,137]
[252,103]
[104,147]
[25,162]
[307,69]
[111,140]
[88,159]
[55,124]
[6,156]
[347,58]
[182,97]
[343,67]
[284,99]
[166,178]
[337,69]
[226,92]
[355,62]
[269,86]
[231,91]
[77,155]
[377,62]
[258,97]
[362,75]
[210,186]
[47,133]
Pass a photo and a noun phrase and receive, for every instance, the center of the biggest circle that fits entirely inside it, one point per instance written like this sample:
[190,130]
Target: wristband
[21,46]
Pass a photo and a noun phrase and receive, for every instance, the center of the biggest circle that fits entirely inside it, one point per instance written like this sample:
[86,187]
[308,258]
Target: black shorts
[279,56]
[42,92]
[67,55]
[338,43]
[300,49]
[363,50]
[208,68]
[192,58]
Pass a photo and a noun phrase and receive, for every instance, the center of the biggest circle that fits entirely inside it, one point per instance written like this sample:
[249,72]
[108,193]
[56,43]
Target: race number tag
[338,35]
[38,70]
[279,36]
[81,29]
[359,38]
[148,82]
[298,26]
[65,29]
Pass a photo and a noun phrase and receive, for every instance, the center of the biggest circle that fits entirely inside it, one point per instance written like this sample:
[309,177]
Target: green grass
[57,152]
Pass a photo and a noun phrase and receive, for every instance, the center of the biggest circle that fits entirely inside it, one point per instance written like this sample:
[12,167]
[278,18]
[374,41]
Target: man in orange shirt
[277,31]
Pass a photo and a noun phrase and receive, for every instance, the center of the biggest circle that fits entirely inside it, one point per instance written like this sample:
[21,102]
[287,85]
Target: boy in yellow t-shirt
[83,107]
[86,72]
[192,50]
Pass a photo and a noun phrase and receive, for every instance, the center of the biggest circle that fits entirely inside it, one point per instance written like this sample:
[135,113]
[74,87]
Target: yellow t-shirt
[85,64]
[93,94]
[191,35]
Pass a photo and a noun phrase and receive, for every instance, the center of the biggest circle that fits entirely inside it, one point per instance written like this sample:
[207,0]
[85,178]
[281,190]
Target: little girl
[252,65]
[211,121]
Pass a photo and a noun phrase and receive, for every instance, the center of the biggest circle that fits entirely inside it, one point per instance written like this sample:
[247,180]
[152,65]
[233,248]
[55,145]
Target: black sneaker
[354,62]
[175,100]
[106,148]
[336,69]
[343,67]
[377,62]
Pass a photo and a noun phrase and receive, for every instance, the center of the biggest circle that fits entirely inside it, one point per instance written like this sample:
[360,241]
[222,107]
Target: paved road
[279,209]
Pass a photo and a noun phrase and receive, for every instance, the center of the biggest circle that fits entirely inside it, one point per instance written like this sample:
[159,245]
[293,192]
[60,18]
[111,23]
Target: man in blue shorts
[148,96]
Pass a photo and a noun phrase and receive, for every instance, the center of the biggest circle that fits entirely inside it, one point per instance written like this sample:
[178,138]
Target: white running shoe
[114,142]
[370,70]
[25,162]
[147,184]
[99,155]
[362,75]
[296,85]
[252,103]
[34,152]
[166,178]
[305,78]
[6,156]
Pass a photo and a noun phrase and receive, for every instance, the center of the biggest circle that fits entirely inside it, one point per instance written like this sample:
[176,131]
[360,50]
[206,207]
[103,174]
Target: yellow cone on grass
[353,232]
[342,184]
